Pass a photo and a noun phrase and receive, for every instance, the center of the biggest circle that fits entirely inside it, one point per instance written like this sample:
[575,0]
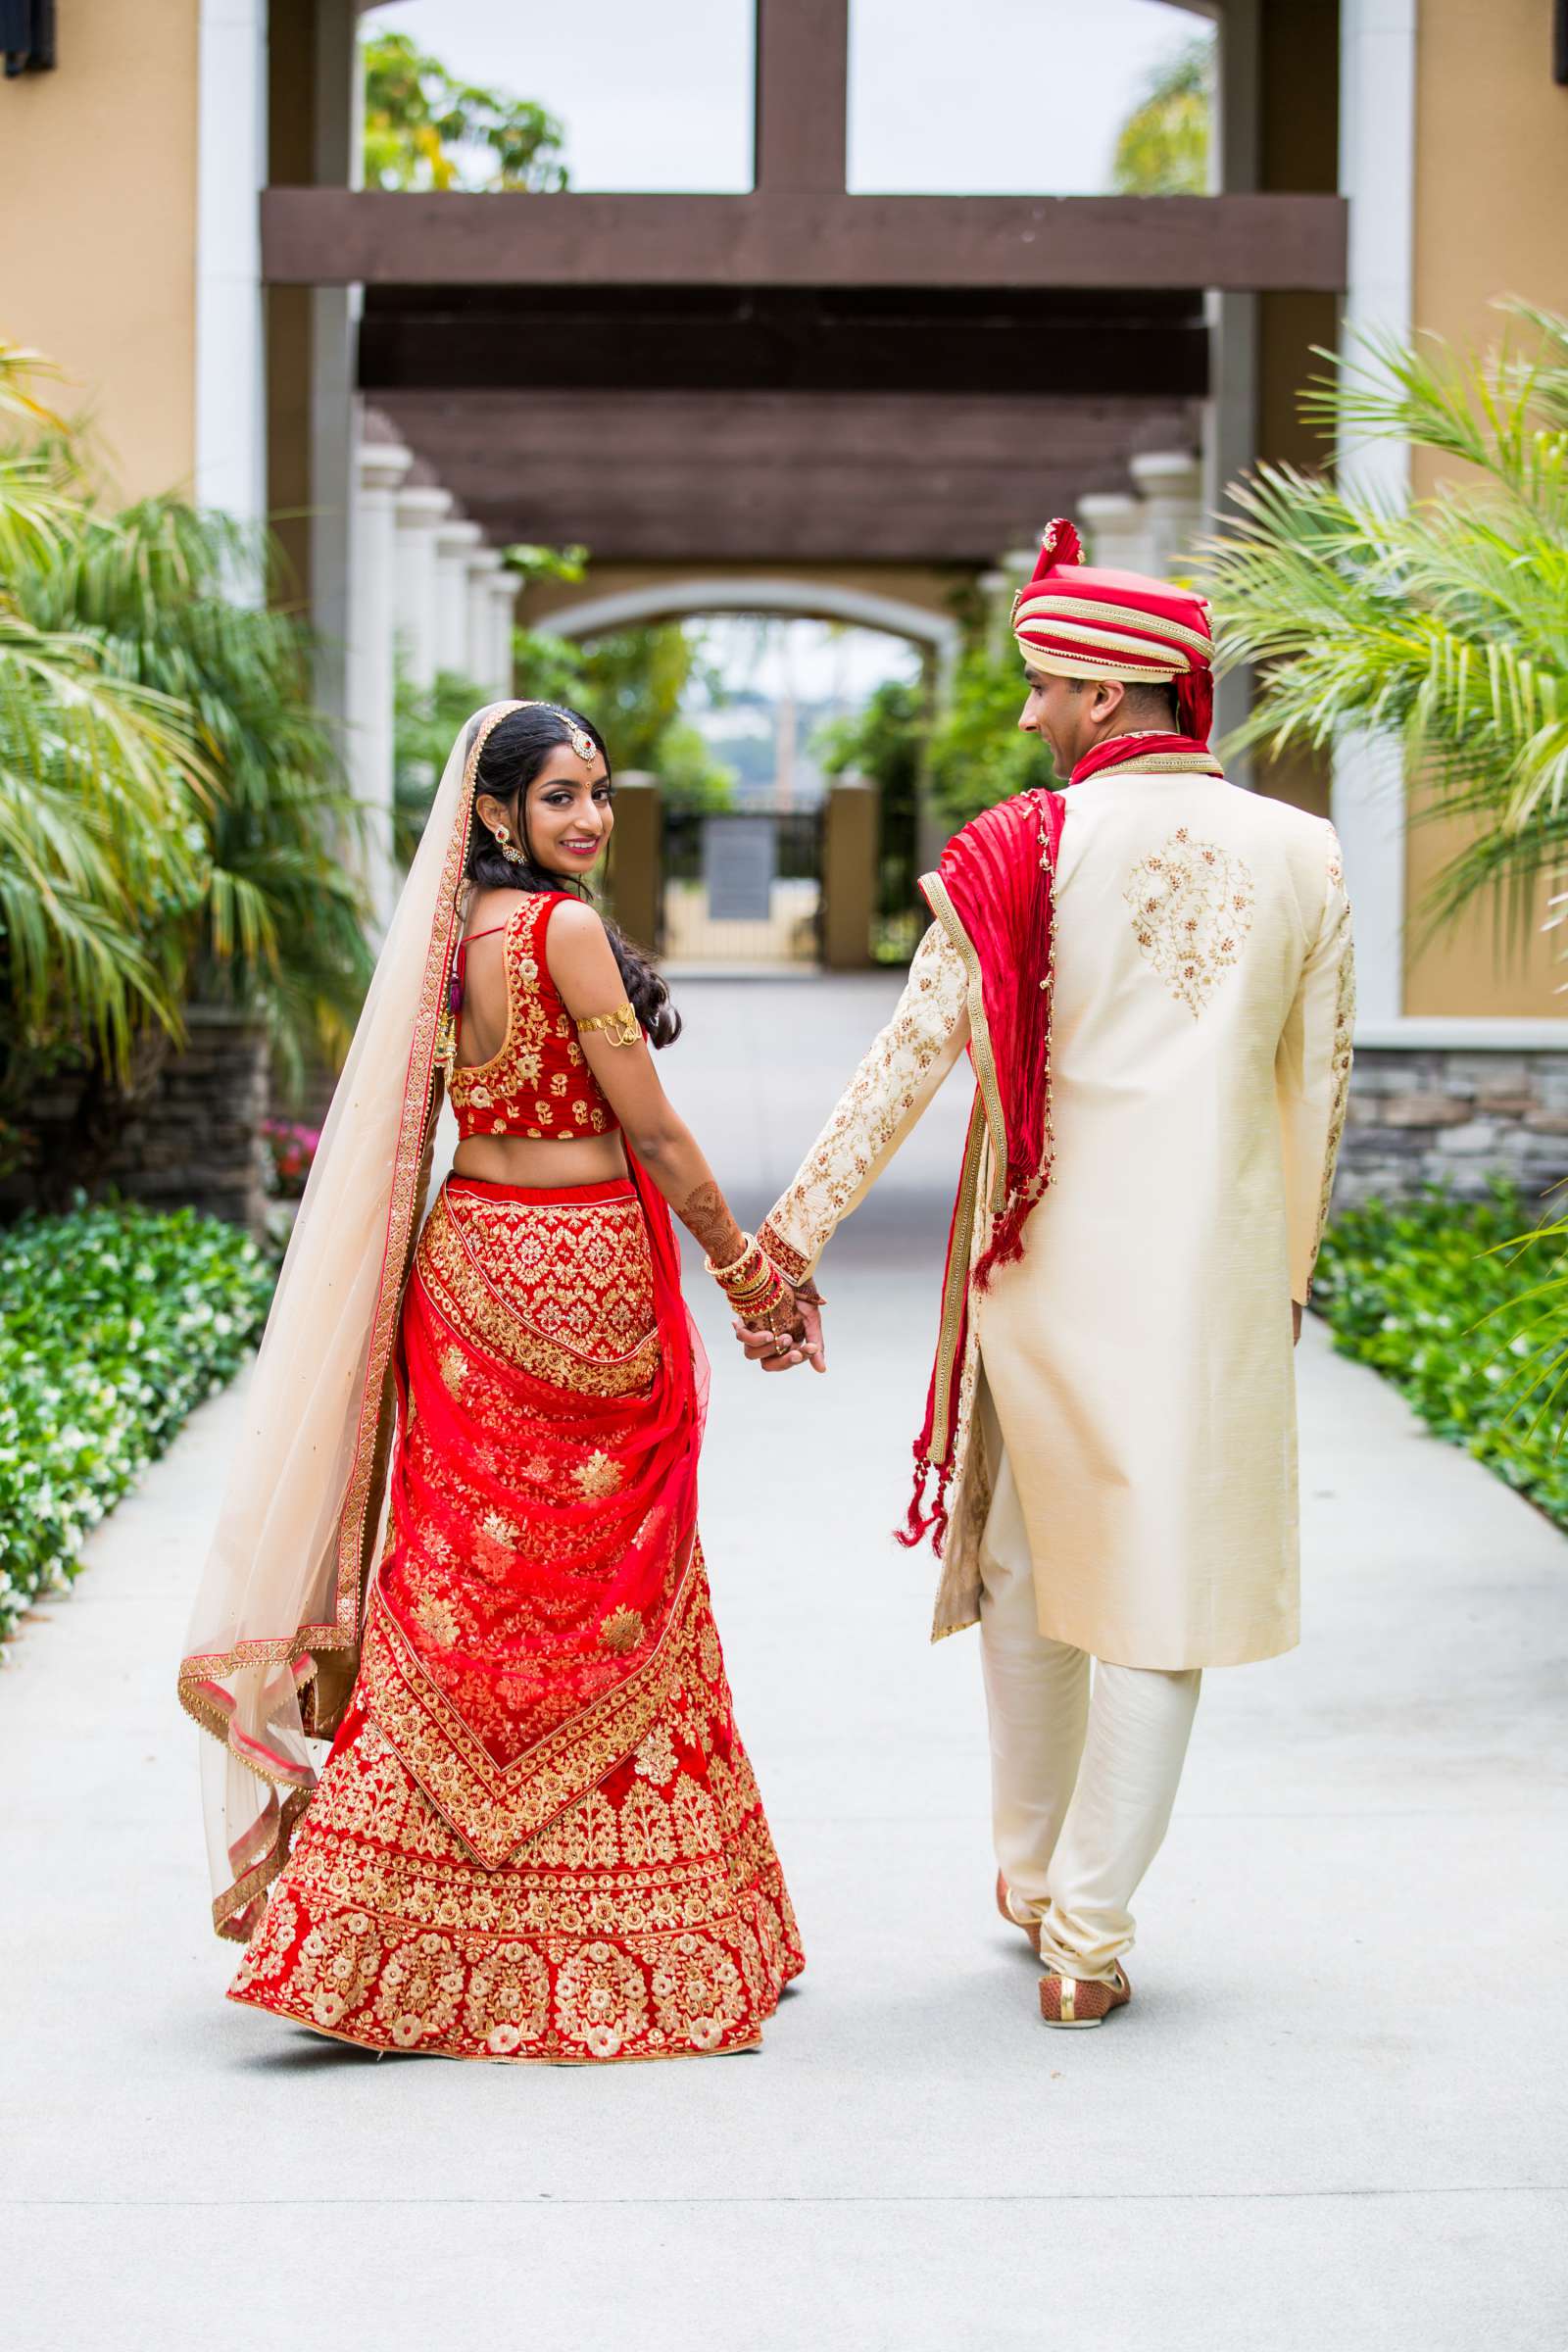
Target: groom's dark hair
[1148,701]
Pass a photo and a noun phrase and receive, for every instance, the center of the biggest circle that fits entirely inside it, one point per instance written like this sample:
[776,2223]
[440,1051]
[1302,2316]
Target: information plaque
[740,863]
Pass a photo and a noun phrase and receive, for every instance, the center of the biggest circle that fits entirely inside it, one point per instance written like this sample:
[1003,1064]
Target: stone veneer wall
[192,1136]
[1445,1114]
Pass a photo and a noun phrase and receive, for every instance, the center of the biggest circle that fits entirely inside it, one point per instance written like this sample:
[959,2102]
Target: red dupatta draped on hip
[544,1497]
[994,896]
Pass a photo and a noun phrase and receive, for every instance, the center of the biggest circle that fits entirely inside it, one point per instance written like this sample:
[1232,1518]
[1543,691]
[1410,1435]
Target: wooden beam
[803,96]
[710,520]
[783,339]
[778,477]
[342,236]
[896,432]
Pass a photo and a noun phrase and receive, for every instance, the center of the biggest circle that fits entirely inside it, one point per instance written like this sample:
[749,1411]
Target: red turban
[1076,622]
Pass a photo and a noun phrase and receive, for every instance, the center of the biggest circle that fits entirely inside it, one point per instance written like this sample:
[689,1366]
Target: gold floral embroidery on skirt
[648,1921]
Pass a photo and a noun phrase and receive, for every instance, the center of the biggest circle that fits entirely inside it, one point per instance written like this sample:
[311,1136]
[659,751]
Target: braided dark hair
[514,750]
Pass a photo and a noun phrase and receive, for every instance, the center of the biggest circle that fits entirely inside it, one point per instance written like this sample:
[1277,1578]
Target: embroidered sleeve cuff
[788,1259]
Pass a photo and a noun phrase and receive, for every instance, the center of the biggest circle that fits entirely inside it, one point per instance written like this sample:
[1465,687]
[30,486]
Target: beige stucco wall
[98,193]
[1490,200]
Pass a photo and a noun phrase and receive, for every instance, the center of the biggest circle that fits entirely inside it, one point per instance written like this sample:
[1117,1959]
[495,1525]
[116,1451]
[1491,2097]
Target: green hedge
[1412,1290]
[115,1323]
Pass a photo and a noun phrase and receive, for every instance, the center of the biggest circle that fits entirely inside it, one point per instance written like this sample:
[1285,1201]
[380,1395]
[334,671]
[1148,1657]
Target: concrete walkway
[1334,2116]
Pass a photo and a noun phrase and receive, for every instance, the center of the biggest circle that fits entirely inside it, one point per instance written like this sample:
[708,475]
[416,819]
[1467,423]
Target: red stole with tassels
[994,894]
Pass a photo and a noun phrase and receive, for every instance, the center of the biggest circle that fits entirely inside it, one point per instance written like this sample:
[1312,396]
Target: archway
[774,879]
[938,634]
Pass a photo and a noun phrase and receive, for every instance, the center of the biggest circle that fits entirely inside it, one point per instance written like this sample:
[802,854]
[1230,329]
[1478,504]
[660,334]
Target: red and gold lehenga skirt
[537,1835]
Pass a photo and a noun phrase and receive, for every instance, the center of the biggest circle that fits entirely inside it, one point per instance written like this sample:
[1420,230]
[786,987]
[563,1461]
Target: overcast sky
[964,96]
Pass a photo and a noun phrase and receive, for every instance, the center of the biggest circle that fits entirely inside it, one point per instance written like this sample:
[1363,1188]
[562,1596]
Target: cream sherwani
[1131,1381]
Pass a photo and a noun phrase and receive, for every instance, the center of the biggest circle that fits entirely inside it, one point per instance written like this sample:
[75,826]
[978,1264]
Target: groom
[1152,974]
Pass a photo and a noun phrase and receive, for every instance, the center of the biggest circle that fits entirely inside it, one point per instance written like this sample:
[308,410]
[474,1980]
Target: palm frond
[173,811]
[1442,622]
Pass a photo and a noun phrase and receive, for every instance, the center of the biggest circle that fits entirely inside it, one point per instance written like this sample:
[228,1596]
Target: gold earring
[503,845]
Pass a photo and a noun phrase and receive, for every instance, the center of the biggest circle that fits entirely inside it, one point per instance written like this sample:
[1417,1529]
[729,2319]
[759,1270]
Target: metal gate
[742,886]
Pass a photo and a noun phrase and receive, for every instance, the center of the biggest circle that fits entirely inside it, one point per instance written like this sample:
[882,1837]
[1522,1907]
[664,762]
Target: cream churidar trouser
[1082,1786]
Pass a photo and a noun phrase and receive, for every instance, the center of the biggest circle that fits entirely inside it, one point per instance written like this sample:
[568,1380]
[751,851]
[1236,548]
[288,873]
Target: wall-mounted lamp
[26,36]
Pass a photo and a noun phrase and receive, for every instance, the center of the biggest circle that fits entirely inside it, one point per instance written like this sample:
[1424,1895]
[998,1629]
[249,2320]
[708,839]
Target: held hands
[778,1323]
[792,1335]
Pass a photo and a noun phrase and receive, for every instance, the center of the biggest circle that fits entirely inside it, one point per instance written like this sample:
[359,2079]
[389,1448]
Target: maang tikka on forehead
[581,742]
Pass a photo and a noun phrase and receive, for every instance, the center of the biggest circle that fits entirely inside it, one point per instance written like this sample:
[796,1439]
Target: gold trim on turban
[1082,665]
[1056,609]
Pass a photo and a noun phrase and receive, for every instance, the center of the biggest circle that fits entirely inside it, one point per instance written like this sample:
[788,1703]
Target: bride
[459,1539]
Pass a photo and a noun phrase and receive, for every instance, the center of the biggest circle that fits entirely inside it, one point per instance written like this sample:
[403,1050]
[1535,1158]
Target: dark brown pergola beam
[480,438]
[339,236]
[786,339]
[865,478]
[801,95]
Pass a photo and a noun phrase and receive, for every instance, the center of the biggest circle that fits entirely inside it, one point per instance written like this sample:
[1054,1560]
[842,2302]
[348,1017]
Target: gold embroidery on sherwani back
[1192,907]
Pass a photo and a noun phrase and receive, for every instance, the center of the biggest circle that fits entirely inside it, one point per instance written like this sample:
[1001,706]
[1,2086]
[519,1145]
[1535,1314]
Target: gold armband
[621,1027]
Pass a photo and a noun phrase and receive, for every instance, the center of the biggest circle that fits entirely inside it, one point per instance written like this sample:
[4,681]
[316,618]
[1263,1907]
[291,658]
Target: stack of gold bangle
[752,1285]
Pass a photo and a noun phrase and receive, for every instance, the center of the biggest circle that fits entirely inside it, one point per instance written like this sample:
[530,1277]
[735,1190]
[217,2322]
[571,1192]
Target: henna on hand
[706,1215]
[785,1336]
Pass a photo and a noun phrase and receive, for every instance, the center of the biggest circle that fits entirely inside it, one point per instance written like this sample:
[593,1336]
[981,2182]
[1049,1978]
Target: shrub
[1438,1296]
[115,1323]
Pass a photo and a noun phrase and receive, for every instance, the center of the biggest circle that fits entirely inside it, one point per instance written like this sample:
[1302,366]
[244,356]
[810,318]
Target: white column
[483,565]
[380,467]
[336,150]
[419,508]
[1017,564]
[1171,487]
[996,600]
[1115,530]
[455,539]
[230,172]
[1377,172]
[504,591]
[1230,411]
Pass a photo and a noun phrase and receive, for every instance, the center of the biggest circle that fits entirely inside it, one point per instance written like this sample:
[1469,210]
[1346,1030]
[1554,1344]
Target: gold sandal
[1082,2002]
[1025,1927]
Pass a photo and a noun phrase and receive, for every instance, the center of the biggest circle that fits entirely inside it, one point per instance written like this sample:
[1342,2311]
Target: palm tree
[1442,622]
[1162,147]
[88,763]
[273,917]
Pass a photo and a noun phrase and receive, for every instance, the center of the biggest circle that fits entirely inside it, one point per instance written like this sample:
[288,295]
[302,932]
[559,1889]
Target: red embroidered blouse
[538,1085]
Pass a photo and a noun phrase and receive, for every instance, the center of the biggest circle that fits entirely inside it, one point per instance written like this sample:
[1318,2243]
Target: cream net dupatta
[273,1639]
